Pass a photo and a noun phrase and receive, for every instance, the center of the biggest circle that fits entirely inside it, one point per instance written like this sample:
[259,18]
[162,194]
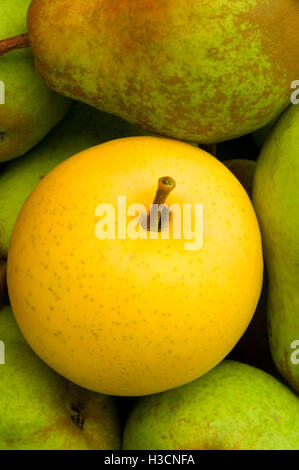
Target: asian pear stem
[16,42]
[165,185]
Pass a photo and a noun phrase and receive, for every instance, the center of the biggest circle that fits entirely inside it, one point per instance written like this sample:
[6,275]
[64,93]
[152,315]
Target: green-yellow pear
[28,109]
[276,200]
[40,410]
[82,128]
[203,71]
[232,407]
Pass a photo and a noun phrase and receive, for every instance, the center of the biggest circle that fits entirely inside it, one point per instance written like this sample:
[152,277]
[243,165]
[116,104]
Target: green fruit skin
[232,407]
[40,410]
[31,109]
[201,71]
[82,128]
[276,201]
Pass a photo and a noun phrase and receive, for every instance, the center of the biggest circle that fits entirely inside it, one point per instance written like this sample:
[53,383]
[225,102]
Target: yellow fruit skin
[134,317]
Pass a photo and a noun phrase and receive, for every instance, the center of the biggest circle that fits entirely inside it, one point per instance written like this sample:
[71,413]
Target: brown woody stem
[11,44]
[165,185]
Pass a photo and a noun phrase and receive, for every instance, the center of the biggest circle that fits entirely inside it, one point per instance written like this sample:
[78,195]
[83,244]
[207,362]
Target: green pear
[202,71]
[82,128]
[232,407]
[40,410]
[276,201]
[31,109]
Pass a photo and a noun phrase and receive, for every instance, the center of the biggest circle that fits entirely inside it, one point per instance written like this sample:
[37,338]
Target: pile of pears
[146,343]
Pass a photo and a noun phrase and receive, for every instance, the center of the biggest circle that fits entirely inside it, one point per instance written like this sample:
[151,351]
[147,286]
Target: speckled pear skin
[232,407]
[157,315]
[40,410]
[82,128]
[203,71]
[31,109]
[276,199]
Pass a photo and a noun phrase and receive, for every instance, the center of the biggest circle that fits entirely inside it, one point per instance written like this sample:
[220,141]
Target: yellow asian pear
[114,304]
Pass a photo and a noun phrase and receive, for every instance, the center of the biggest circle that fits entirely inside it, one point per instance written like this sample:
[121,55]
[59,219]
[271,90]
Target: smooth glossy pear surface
[233,407]
[30,108]
[82,128]
[134,316]
[203,71]
[276,200]
[40,410]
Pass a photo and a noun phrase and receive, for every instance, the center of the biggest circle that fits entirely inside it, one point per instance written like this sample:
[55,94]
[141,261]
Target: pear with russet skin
[40,410]
[198,71]
[30,108]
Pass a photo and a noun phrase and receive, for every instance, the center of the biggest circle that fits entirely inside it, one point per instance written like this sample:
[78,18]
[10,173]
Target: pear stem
[16,42]
[165,185]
